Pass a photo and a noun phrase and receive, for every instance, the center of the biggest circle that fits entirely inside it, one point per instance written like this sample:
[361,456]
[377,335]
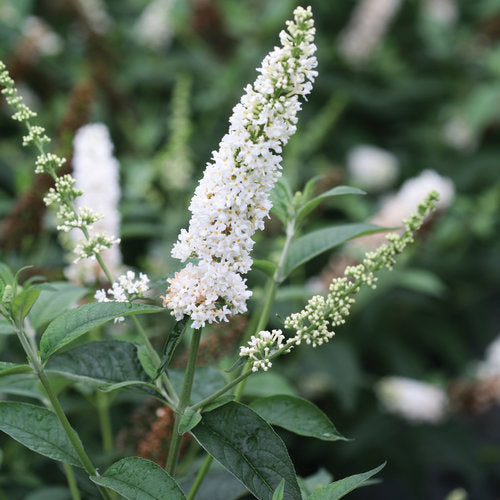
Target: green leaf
[189,420]
[266,266]
[281,198]
[340,488]
[246,445]
[219,484]
[146,362]
[220,401]
[6,327]
[54,301]
[297,415]
[20,384]
[262,384]
[136,478]
[207,380]
[103,362]
[74,323]
[172,342]
[38,429]
[136,384]
[316,481]
[279,491]
[22,304]
[315,243]
[12,368]
[308,207]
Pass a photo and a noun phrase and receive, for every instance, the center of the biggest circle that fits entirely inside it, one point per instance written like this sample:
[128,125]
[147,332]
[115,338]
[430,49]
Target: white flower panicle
[125,289]
[96,181]
[316,322]
[413,400]
[231,200]
[261,347]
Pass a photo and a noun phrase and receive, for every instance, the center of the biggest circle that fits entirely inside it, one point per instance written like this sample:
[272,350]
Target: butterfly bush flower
[125,289]
[261,347]
[413,400]
[231,200]
[96,175]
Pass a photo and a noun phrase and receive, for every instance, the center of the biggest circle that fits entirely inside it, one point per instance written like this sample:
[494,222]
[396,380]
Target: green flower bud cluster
[46,162]
[64,193]
[315,324]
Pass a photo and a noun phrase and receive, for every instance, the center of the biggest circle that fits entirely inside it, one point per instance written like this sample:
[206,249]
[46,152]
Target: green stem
[240,381]
[175,442]
[102,404]
[57,408]
[70,432]
[199,477]
[172,397]
[220,392]
[70,476]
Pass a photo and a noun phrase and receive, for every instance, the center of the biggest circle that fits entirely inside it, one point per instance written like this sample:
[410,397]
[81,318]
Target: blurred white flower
[372,168]
[96,172]
[413,400]
[490,366]
[401,205]
[154,26]
[45,41]
[95,14]
[369,21]
[459,134]
[441,11]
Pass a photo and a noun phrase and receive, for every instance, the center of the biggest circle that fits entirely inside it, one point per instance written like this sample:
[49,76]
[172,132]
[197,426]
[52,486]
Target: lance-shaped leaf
[281,198]
[38,429]
[22,304]
[315,243]
[173,340]
[74,323]
[246,445]
[340,488]
[308,207]
[53,301]
[297,415]
[136,478]
[103,362]
[12,368]
[189,420]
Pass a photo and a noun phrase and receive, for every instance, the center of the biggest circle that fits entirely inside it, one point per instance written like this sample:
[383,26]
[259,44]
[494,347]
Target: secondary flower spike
[231,200]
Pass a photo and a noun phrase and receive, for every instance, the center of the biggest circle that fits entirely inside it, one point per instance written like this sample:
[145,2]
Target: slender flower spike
[315,323]
[231,200]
